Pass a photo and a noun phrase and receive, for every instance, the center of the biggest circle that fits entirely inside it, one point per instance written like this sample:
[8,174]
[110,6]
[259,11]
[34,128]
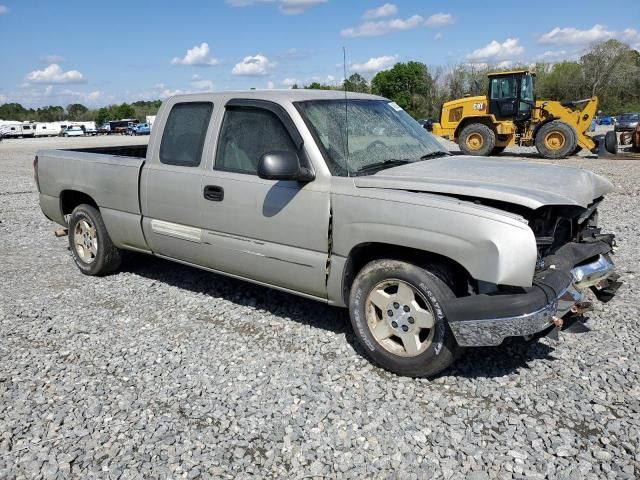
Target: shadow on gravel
[241,293]
[475,363]
[508,358]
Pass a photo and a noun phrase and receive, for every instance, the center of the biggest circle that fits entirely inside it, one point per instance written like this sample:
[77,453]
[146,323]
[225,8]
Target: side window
[246,135]
[503,87]
[184,134]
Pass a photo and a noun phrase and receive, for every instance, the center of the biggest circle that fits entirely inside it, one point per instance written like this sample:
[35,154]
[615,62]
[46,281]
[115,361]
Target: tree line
[610,70]
[79,112]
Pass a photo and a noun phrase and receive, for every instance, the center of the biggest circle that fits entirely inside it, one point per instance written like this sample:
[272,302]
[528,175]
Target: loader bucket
[607,144]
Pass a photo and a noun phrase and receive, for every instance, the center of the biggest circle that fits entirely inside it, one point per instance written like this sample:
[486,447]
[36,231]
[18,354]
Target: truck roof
[289,95]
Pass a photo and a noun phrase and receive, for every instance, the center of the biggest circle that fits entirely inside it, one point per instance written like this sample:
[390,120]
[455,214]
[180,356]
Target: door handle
[213,193]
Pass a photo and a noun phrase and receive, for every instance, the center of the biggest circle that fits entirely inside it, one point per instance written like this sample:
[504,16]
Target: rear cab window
[184,134]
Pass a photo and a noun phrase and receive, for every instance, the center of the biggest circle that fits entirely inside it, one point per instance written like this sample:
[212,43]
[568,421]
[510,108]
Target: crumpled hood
[523,183]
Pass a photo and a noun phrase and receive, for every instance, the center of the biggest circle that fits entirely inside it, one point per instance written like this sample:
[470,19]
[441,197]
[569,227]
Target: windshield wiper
[439,153]
[382,165]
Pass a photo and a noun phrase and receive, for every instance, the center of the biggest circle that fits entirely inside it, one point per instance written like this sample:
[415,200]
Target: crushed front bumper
[486,320]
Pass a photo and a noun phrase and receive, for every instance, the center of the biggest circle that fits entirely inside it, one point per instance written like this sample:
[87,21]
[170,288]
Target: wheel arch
[70,199]
[447,269]
[538,126]
[483,119]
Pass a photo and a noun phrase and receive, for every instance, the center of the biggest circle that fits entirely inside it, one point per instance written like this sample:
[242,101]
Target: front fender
[493,246]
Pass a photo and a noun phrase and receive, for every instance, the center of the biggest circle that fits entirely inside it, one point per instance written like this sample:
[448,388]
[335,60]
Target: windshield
[380,134]
[630,117]
[526,90]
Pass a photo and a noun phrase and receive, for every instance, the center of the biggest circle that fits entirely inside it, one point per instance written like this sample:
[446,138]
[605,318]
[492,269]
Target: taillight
[35,172]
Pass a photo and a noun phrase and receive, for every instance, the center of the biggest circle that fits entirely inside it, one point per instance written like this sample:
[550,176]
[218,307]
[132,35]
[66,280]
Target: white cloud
[575,36]
[375,64]
[198,56]
[253,66]
[439,20]
[496,51]
[290,82]
[632,37]
[438,36]
[54,74]
[294,7]
[553,55]
[53,59]
[90,97]
[202,85]
[4,9]
[288,7]
[167,92]
[270,85]
[386,10]
[375,29]
[597,33]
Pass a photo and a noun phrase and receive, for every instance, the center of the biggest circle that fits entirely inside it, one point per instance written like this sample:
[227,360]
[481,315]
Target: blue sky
[98,53]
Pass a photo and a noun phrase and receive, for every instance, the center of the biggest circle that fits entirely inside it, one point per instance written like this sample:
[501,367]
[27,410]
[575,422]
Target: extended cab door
[275,232]
[171,179]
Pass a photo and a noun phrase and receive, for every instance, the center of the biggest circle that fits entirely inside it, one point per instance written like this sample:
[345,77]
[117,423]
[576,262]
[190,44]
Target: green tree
[102,116]
[122,111]
[409,85]
[75,111]
[356,83]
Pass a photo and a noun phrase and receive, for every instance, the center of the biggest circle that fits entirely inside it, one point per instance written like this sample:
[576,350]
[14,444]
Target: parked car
[72,131]
[141,129]
[606,120]
[427,251]
[628,122]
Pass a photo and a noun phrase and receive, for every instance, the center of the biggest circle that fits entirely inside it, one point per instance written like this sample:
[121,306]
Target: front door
[503,97]
[170,185]
[275,232]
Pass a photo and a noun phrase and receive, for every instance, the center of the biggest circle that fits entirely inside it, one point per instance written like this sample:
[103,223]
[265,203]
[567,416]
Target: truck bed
[136,151]
[108,175]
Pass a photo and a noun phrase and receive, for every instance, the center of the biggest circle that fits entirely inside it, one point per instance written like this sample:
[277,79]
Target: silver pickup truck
[347,201]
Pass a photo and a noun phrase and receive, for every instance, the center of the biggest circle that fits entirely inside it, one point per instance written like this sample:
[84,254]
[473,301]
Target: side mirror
[283,165]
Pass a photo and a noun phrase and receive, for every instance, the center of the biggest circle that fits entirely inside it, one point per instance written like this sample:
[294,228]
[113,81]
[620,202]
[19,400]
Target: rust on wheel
[555,140]
[474,141]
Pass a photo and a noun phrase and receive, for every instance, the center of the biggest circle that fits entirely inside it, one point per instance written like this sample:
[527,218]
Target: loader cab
[512,95]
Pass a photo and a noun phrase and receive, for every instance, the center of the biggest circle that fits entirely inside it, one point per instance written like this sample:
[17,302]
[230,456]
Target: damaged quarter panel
[493,246]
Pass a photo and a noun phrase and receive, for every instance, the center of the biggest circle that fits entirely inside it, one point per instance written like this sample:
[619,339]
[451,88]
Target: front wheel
[397,316]
[556,139]
[91,247]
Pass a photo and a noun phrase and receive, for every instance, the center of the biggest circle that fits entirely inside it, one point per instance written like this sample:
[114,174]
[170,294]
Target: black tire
[497,150]
[611,142]
[477,134]
[430,291]
[577,150]
[107,257]
[552,131]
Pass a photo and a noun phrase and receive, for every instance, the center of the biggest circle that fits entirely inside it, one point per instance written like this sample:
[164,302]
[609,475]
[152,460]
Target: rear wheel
[556,139]
[397,316]
[91,247]
[477,139]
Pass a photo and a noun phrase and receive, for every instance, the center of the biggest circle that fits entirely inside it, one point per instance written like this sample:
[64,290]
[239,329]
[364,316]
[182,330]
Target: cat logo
[478,106]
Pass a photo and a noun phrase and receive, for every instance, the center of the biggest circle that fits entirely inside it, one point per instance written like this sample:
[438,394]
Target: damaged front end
[573,255]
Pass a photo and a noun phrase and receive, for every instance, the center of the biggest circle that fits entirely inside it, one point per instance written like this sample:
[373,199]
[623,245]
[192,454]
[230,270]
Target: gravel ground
[163,371]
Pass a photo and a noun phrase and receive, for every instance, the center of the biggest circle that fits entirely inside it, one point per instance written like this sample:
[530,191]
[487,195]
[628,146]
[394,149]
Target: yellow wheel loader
[511,115]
